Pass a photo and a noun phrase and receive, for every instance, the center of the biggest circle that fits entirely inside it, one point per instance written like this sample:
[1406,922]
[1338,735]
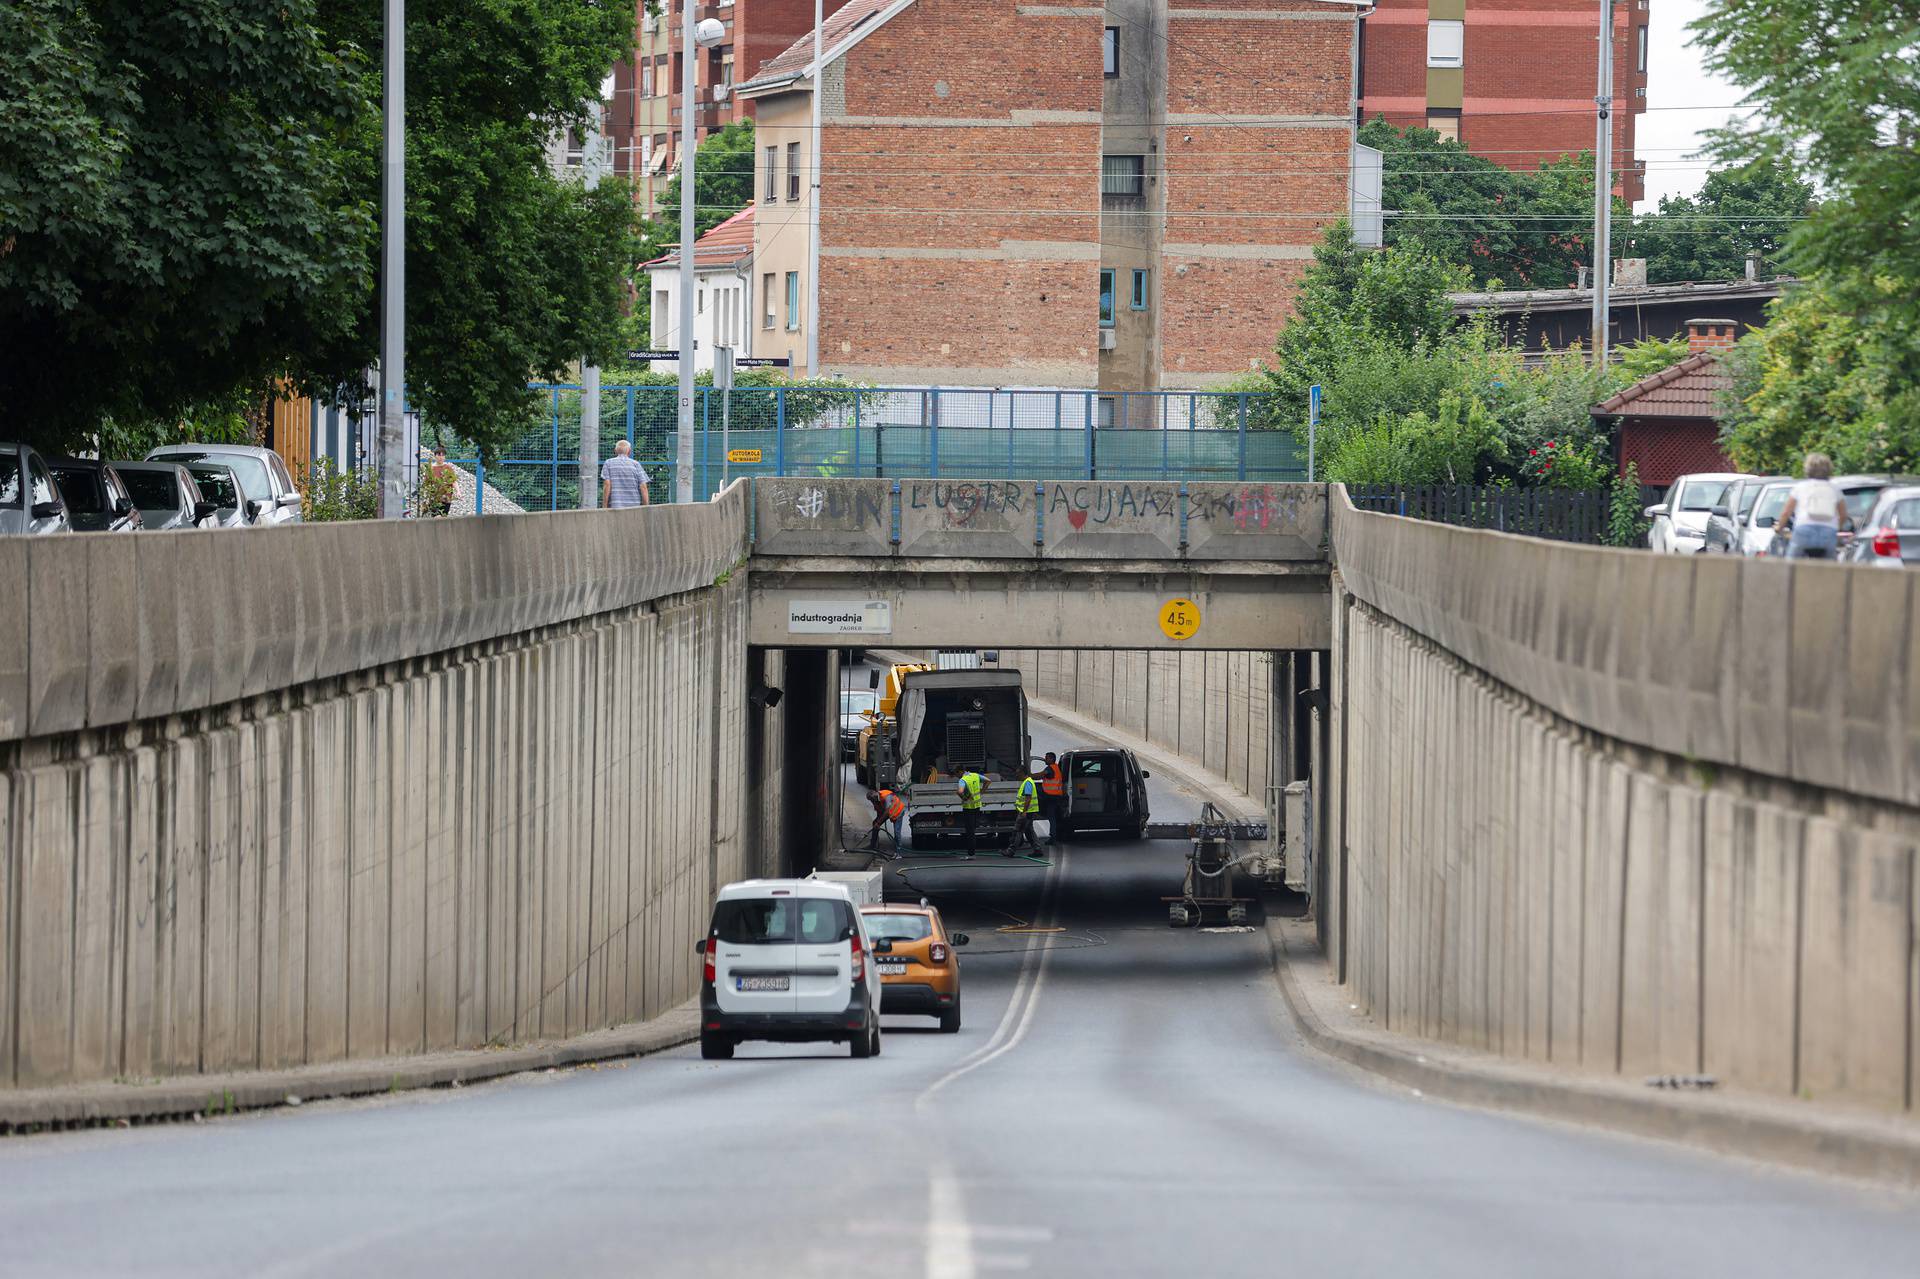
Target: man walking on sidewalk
[623,481]
[971,786]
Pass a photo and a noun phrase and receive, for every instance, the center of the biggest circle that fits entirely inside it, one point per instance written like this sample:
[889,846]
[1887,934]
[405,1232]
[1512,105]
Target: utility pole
[1603,188]
[391,440]
[813,208]
[683,455]
[590,166]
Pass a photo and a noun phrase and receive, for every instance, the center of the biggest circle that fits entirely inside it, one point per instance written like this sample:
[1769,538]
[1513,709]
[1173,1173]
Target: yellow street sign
[744,456]
[1180,619]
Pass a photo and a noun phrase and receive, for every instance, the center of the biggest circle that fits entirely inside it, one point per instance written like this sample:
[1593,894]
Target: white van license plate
[893,968]
[760,983]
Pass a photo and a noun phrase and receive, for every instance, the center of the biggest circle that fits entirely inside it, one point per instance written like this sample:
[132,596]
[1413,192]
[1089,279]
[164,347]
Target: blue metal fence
[913,432]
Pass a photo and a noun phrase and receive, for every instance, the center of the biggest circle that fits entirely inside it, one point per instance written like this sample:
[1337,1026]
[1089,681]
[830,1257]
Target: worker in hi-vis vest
[1053,796]
[888,808]
[972,785]
[1026,806]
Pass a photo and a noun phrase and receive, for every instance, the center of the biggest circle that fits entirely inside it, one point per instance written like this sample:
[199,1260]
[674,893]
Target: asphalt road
[1124,1100]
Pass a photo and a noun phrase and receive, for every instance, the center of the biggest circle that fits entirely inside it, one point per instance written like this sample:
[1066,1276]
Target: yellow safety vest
[971,784]
[1028,800]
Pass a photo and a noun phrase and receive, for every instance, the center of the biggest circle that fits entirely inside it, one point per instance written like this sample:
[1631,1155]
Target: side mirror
[959,939]
[203,509]
[700,946]
[289,499]
[1722,512]
[258,510]
[122,506]
[1763,521]
[45,510]
[1656,511]
[883,947]
[1144,774]
[873,678]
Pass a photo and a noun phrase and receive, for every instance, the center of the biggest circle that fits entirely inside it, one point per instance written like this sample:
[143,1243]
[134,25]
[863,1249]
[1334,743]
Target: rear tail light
[937,953]
[706,969]
[1886,542]
[859,960]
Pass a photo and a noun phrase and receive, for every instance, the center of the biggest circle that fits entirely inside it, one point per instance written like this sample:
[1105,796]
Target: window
[793,172]
[1103,415]
[661,305]
[646,81]
[699,296]
[899,927]
[157,491]
[10,480]
[1106,297]
[1123,174]
[1139,300]
[81,489]
[755,921]
[773,175]
[824,921]
[1110,51]
[793,300]
[1446,40]
[766,300]
[1640,48]
[1446,124]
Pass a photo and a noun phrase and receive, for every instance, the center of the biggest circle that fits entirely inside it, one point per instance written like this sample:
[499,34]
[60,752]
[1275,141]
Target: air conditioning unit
[1109,340]
[721,92]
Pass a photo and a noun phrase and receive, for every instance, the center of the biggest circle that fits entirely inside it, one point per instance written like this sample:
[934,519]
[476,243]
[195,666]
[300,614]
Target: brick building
[643,119]
[1513,79]
[1669,422]
[1051,195]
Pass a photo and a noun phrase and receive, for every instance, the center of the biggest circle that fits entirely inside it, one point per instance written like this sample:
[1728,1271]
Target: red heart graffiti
[1077,518]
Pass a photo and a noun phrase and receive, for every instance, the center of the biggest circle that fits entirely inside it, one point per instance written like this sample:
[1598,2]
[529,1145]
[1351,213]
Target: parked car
[857,707]
[918,961]
[1757,530]
[96,497]
[1680,522]
[1889,534]
[219,485]
[1106,790]
[1725,520]
[30,500]
[263,477]
[166,496]
[786,960]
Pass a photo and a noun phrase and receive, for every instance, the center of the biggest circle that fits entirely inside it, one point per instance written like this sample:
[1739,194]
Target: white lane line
[949,1241]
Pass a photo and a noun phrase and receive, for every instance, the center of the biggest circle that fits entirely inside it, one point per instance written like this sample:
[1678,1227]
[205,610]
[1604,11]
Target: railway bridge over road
[1038,564]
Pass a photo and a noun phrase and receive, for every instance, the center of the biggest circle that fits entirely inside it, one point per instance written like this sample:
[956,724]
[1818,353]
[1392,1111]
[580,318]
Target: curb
[1845,1146]
[208,1095]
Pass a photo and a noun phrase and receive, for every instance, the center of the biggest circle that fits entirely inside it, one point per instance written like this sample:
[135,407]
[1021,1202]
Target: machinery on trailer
[1226,859]
[945,723]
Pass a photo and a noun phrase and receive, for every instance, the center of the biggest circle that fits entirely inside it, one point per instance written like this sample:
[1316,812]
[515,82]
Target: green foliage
[435,490]
[1453,446]
[1627,523]
[1749,209]
[1559,464]
[1648,356]
[1834,94]
[333,494]
[176,212]
[1525,229]
[722,186]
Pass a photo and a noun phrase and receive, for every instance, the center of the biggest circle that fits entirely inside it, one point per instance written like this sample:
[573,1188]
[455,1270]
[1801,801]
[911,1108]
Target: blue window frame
[1106,297]
[1139,300]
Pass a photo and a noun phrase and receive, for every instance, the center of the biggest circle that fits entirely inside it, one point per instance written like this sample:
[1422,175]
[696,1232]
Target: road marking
[949,1241]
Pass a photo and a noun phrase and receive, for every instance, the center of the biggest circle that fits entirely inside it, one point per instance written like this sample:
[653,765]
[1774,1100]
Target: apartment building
[1512,79]
[1119,197]
[643,119]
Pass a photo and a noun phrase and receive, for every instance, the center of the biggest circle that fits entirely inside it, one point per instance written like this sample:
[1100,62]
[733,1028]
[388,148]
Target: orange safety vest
[894,805]
[1054,783]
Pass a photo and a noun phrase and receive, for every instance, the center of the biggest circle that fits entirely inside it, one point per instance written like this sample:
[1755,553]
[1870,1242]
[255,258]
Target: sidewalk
[189,1095]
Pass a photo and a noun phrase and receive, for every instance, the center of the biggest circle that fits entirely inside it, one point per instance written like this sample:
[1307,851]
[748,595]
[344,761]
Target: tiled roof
[834,32]
[729,243]
[1690,388]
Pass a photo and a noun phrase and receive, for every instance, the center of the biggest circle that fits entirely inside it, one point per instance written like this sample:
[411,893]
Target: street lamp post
[1603,188]
[694,37]
[393,266]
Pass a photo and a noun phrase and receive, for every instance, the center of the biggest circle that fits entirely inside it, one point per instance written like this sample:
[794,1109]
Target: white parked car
[788,960]
[1680,522]
[1757,531]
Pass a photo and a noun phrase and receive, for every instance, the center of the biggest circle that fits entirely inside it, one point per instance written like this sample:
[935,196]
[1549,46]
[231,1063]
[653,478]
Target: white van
[787,960]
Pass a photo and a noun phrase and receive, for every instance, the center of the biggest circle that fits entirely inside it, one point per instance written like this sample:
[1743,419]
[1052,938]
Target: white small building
[723,296]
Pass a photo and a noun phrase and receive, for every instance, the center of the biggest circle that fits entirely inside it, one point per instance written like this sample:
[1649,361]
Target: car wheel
[1063,830]
[950,1019]
[868,1045]
[715,1047]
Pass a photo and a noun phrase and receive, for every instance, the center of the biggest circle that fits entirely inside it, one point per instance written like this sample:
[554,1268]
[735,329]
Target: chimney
[1629,273]
[1710,335]
[1753,268]
[1581,281]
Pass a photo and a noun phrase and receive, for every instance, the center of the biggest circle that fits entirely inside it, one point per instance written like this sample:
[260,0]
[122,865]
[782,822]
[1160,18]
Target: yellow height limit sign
[747,457]
[1180,619]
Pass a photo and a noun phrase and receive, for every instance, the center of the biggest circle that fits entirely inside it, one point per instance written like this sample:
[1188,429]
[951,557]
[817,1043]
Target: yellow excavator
[881,717]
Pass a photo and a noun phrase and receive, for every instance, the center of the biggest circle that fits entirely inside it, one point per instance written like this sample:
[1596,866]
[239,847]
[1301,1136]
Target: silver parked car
[1757,530]
[1889,535]
[1680,521]
[219,485]
[166,495]
[30,500]
[1725,521]
[271,492]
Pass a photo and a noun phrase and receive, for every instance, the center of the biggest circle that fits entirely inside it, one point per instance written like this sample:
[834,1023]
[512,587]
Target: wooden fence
[1562,515]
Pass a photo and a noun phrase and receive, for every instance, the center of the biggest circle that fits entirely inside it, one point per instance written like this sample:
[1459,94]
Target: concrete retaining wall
[480,791]
[1623,812]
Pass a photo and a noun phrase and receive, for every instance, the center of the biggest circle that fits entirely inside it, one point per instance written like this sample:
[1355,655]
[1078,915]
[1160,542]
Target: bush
[1626,524]
[333,494]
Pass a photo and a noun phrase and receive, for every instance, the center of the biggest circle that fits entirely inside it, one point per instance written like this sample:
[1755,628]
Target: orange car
[919,971]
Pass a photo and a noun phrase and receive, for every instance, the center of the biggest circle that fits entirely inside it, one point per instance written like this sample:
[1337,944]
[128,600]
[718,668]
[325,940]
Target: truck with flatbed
[947,722]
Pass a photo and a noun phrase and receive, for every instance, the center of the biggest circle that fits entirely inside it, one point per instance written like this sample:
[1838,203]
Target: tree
[1834,93]
[1530,229]
[722,186]
[1750,209]
[176,212]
